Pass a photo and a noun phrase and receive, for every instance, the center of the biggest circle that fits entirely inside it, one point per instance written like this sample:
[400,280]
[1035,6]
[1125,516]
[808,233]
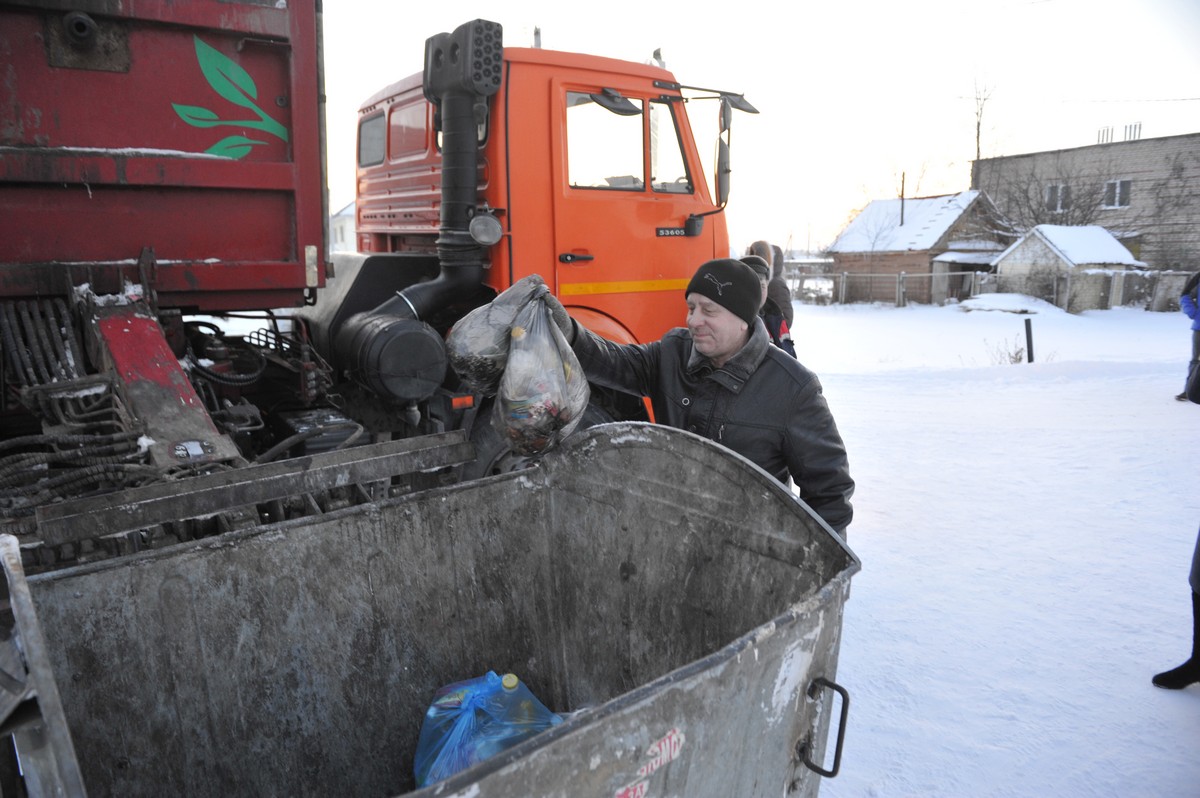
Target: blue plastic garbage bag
[473,720]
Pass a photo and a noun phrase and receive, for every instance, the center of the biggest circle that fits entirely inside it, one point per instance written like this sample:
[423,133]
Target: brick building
[1146,192]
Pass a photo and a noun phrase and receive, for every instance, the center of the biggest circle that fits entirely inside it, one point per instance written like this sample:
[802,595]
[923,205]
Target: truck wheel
[492,456]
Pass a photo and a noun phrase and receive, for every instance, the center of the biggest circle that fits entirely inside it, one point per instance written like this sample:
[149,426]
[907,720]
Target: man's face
[716,332]
[762,285]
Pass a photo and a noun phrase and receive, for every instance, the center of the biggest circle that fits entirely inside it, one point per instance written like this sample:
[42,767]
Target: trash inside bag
[476,719]
[478,344]
[543,392]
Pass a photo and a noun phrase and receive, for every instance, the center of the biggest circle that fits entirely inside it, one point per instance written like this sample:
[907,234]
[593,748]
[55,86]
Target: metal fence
[898,289]
[1074,291]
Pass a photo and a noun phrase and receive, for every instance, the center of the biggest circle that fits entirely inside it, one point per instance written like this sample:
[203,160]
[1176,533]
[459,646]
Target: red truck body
[191,129]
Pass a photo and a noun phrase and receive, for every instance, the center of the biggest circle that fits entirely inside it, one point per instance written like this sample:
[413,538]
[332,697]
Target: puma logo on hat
[712,278]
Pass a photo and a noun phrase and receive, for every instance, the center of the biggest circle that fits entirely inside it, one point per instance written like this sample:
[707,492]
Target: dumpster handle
[803,747]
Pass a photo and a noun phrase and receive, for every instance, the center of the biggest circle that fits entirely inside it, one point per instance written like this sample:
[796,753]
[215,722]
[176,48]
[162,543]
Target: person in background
[777,274]
[772,317]
[777,289]
[1189,672]
[1189,302]
[721,378]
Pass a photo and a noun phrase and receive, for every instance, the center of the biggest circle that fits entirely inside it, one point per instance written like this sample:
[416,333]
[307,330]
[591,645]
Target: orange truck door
[625,180]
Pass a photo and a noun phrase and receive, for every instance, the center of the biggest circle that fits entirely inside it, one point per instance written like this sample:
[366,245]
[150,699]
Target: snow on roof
[1083,245]
[346,211]
[926,220]
[970,258]
[981,245]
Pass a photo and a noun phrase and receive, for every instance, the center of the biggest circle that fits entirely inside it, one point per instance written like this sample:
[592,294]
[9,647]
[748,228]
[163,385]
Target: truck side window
[604,149]
[371,140]
[407,131]
[668,169]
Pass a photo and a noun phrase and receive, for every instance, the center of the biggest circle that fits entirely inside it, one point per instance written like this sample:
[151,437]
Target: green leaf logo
[233,84]
[233,147]
[227,78]
[196,116]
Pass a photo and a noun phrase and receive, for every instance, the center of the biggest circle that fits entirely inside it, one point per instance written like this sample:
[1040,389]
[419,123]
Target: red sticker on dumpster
[661,751]
[637,790]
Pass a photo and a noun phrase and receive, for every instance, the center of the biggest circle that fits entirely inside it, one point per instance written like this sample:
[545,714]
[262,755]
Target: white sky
[1025,532]
[852,94]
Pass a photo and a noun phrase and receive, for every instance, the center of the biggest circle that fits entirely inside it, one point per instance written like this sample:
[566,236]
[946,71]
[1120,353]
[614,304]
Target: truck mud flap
[681,606]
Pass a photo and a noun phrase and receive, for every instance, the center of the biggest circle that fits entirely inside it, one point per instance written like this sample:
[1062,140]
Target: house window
[1116,193]
[1058,197]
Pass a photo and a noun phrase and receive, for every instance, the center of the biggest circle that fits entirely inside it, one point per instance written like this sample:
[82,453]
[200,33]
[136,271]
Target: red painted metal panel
[191,128]
[180,223]
[158,391]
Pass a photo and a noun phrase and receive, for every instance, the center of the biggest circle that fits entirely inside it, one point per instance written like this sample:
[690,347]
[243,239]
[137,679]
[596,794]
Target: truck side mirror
[614,101]
[729,102]
[723,171]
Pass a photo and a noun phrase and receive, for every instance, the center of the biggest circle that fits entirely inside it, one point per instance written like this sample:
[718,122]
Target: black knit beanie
[731,284]
[760,266]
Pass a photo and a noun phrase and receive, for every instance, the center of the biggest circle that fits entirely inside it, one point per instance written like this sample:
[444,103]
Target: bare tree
[982,95]
[1174,197]
[1060,193]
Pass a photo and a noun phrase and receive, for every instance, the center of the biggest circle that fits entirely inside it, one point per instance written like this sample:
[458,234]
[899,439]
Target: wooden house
[923,249]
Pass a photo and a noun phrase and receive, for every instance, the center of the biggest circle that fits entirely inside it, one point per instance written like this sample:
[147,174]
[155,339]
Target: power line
[1155,100]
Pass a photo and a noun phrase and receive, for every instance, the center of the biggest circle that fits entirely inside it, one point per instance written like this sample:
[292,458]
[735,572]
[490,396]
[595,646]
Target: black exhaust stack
[462,69]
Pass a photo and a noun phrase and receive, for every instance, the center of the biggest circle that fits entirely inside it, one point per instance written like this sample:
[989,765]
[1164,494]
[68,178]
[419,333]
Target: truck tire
[492,456]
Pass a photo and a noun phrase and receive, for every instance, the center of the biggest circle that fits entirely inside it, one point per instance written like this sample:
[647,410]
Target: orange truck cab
[591,169]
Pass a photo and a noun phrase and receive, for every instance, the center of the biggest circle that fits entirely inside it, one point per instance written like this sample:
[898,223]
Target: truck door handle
[571,257]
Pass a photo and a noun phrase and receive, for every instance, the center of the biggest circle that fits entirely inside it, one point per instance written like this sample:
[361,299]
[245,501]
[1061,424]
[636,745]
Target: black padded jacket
[762,404]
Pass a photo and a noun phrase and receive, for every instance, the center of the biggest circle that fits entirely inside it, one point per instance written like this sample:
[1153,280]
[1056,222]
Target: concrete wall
[1030,256]
[341,233]
[1078,290]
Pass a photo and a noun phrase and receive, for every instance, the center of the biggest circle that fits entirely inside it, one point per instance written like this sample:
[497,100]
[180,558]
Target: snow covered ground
[1025,532]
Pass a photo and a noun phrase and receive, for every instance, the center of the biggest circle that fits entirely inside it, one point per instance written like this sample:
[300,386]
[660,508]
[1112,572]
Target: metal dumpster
[681,604]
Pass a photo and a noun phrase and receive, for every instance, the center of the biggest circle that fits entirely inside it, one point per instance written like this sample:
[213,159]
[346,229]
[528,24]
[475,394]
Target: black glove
[529,288]
[557,312]
[519,293]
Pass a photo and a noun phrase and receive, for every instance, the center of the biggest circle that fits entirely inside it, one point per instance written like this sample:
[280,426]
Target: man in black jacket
[772,317]
[721,378]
